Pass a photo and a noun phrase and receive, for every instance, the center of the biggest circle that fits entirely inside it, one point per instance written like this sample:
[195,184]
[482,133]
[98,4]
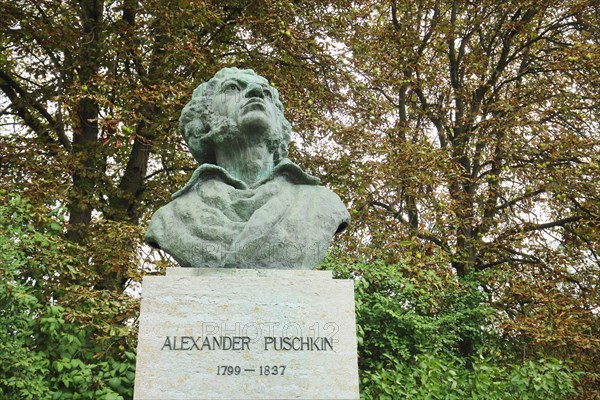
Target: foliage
[431,376]
[471,139]
[462,135]
[411,324]
[46,349]
[404,311]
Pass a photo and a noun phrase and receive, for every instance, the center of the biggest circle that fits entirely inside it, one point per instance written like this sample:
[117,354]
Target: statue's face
[248,101]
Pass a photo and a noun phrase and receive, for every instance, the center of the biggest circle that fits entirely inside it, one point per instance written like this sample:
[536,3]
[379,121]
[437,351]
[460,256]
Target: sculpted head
[233,106]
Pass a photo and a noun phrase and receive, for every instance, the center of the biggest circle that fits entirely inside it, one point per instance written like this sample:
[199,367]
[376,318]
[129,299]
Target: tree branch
[421,235]
[529,227]
[21,101]
[519,199]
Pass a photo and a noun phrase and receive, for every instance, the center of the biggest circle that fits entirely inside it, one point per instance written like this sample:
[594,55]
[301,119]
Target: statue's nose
[254,90]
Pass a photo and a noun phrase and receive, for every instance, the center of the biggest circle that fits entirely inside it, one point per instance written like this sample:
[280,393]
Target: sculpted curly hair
[202,128]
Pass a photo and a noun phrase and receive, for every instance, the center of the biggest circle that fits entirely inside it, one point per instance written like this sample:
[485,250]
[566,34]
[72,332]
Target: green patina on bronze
[247,205]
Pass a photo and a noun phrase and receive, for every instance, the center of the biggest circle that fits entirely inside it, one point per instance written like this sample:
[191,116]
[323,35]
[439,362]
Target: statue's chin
[255,123]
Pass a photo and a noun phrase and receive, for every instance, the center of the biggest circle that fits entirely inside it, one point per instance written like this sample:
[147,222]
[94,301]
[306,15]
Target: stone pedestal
[246,334]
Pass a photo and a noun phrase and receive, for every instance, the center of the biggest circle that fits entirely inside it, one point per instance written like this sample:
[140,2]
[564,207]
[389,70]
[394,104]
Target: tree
[472,146]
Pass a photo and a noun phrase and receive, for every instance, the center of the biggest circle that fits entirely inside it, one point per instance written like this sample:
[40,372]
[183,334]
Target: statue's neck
[247,162]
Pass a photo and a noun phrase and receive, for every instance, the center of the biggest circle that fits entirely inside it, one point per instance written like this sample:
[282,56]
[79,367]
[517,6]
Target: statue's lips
[254,104]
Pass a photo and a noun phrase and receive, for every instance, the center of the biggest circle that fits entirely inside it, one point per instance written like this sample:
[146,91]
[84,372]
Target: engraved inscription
[206,343]
[243,343]
[265,370]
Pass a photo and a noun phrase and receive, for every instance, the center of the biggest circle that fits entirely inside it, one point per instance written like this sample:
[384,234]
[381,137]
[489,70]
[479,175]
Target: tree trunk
[85,138]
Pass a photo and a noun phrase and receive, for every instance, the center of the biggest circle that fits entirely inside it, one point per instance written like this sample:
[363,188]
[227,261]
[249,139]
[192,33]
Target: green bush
[46,352]
[403,312]
[432,376]
[425,334]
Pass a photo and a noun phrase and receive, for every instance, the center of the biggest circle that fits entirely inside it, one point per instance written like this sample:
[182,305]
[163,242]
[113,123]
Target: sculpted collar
[285,168]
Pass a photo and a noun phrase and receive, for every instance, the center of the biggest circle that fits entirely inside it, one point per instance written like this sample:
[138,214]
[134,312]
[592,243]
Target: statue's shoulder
[161,223]
[330,200]
[315,202]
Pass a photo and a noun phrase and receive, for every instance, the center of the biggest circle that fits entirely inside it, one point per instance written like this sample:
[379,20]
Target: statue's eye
[267,93]
[231,87]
